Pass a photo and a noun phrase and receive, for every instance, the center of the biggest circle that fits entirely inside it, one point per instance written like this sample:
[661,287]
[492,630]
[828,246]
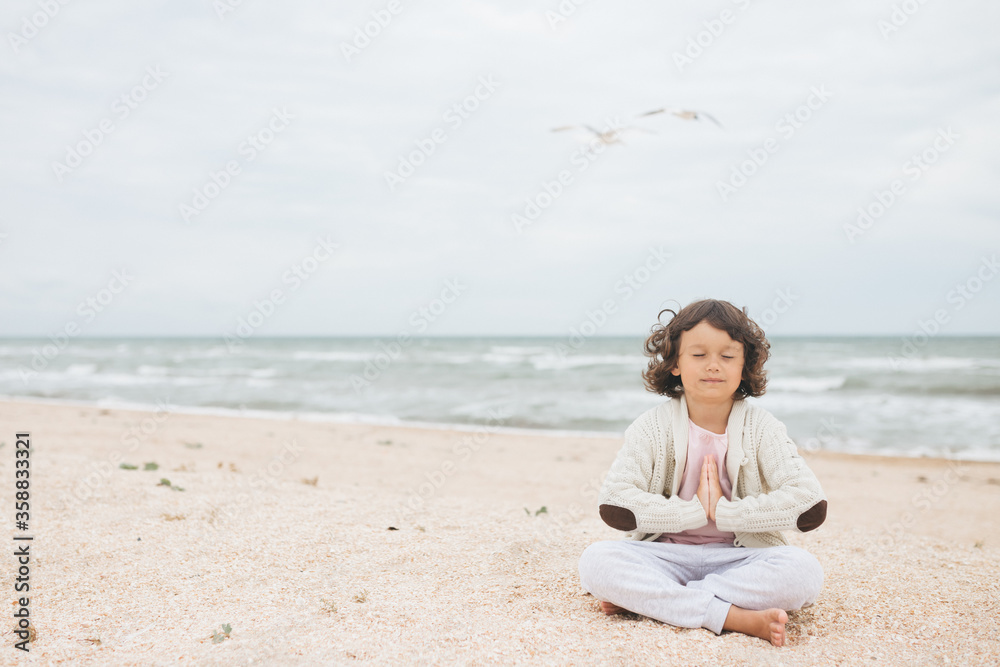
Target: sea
[936,396]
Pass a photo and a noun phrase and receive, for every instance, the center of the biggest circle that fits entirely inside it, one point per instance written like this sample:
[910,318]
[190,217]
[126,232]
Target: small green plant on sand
[127,466]
[151,465]
[193,445]
[166,482]
[218,637]
[541,510]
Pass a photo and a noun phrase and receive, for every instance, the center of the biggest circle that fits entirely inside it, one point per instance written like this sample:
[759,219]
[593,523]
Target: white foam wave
[116,379]
[900,362]
[454,358]
[807,384]
[199,353]
[340,355]
[502,359]
[521,350]
[554,361]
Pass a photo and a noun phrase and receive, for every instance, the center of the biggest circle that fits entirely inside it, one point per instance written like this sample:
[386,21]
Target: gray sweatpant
[693,586]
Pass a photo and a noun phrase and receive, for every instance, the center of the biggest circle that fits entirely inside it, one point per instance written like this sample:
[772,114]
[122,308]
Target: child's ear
[675,371]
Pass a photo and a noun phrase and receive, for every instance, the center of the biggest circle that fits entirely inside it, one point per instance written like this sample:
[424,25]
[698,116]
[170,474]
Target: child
[704,484]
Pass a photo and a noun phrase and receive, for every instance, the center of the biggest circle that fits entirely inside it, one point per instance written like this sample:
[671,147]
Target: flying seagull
[685,114]
[612,135]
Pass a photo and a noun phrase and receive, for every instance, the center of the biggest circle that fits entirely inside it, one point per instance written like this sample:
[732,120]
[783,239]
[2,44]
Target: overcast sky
[309,114]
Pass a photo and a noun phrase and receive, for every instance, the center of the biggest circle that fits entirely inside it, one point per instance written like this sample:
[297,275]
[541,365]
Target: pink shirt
[701,443]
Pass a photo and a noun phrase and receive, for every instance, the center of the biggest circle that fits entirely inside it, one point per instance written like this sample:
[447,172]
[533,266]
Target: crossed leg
[716,587]
[768,624]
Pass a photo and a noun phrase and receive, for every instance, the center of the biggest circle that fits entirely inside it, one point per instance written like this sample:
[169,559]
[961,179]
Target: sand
[330,543]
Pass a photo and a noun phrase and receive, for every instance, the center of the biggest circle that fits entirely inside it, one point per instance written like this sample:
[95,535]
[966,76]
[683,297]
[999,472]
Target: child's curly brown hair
[664,342]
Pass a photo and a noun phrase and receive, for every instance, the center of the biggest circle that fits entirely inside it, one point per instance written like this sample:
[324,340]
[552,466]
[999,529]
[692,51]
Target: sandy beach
[332,543]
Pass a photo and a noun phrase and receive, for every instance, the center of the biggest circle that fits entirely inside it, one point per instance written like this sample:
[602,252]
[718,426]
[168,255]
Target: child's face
[709,363]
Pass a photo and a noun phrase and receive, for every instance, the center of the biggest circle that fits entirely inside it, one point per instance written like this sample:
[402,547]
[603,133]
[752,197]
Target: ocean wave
[503,359]
[339,355]
[931,389]
[554,361]
[187,381]
[452,358]
[202,373]
[522,350]
[59,380]
[807,384]
[930,385]
[917,364]
[94,379]
[945,398]
[216,352]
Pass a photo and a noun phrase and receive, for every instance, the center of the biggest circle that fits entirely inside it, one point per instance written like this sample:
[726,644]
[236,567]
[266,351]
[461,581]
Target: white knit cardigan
[773,488]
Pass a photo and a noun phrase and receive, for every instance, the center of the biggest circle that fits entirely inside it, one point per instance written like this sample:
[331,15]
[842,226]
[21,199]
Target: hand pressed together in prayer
[709,489]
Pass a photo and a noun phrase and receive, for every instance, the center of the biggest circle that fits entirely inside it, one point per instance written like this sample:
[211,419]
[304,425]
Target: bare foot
[610,609]
[767,624]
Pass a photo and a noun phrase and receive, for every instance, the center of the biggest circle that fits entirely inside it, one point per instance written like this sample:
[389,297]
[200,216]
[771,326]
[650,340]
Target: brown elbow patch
[812,517]
[618,518]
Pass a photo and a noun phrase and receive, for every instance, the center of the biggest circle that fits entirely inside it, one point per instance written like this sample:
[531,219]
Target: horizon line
[453,336]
